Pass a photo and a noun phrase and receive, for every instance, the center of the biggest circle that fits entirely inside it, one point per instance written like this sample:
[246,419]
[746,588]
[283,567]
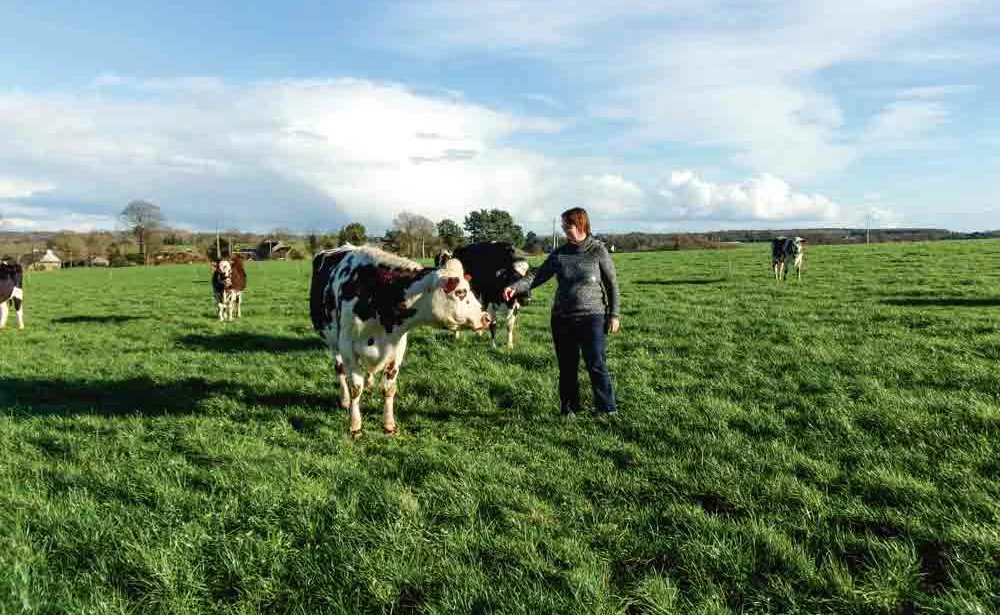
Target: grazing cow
[11,290]
[493,266]
[364,301]
[786,252]
[229,281]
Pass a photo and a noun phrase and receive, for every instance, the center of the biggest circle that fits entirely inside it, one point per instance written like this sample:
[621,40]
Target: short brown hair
[578,217]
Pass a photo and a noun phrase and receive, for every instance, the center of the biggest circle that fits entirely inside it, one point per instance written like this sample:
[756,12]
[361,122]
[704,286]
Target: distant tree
[495,225]
[533,243]
[224,249]
[451,234]
[416,231]
[392,240]
[354,233]
[141,218]
[330,240]
[313,243]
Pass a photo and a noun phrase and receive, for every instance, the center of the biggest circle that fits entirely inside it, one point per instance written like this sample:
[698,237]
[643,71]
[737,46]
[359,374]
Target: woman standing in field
[585,309]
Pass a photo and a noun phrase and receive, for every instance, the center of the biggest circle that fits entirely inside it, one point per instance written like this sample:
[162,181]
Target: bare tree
[415,231]
[141,218]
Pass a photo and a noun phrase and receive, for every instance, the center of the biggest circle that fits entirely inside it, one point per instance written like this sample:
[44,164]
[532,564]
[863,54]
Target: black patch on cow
[324,264]
[11,277]
[381,293]
[371,341]
[380,290]
[491,267]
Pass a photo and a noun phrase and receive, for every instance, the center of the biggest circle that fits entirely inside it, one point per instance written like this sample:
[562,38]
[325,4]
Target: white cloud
[762,197]
[906,119]
[15,216]
[744,77]
[282,153]
[15,188]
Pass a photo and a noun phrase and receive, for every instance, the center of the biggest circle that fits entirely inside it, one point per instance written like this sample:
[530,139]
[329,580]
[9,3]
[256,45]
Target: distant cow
[11,290]
[786,252]
[364,301]
[229,281]
[493,266]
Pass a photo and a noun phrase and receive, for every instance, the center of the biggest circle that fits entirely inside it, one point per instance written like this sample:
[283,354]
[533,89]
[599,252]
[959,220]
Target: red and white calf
[229,281]
[11,290]
[364,301]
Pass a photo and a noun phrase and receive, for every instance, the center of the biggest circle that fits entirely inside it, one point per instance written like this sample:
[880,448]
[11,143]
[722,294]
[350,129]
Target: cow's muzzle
[484,321]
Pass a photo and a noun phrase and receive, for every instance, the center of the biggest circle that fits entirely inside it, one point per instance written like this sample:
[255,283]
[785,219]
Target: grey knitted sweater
[586,278]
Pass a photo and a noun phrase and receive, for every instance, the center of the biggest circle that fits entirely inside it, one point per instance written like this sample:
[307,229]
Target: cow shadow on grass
[25,397]
[944,301]
[680,282]
[250,342]
[109,319]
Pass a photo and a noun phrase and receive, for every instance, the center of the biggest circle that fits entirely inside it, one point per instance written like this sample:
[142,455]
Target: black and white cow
[11,290]
[364,301]
[493,266]
[786,252]
[229,282]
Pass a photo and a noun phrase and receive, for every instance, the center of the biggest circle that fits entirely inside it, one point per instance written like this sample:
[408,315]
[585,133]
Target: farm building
[41,261]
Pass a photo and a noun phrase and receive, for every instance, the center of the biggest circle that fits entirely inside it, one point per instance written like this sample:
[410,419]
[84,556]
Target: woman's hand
[614,325]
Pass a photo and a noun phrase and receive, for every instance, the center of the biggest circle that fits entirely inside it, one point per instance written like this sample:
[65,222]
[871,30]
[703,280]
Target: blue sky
[673,115]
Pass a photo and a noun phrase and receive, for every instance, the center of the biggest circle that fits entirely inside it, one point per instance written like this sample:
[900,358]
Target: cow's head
[452,303]
[797,244]
[224,269]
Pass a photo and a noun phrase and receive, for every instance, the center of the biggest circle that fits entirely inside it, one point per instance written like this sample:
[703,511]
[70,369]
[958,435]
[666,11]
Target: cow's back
[490,265]
[238,277]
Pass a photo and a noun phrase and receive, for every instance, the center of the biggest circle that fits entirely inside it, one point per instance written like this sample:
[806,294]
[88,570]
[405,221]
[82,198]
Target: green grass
[829,446]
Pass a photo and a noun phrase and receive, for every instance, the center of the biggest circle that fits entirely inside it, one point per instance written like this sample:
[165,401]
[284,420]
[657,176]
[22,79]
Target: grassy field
[829,446]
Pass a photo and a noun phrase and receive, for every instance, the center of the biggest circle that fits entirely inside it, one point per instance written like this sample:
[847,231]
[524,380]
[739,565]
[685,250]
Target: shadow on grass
[681,282]
[105,320]
[250,342]
[141,396]
[944,301]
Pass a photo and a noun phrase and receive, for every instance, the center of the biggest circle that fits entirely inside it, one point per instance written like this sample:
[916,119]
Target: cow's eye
[460,294]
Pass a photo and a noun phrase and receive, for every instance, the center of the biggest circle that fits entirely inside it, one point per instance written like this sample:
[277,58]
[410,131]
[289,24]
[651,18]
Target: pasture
[829,446]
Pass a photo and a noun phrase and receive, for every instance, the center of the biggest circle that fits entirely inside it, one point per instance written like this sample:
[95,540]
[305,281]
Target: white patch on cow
[521,267]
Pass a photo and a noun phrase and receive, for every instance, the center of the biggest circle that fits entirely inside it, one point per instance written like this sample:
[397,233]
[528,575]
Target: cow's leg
[511,318]
[345,391]
[18,305]
[798,268]
[3,314]
[222,311]
[239,305]
[491,309]
[389,387]
[774,267]
[357,388]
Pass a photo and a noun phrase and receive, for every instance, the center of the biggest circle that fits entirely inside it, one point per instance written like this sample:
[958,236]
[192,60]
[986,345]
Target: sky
[673,115]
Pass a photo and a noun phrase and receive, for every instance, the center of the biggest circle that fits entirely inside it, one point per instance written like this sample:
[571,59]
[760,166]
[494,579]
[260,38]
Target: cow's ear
[450,284]
[215,266]
[468,277]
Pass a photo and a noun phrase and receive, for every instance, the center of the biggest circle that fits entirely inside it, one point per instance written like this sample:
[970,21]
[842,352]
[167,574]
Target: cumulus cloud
[14,188]
[288,153]
[762,197]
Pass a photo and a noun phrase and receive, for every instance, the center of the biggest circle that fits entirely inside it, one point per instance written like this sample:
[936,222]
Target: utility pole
[553,234]
[868,224]
[218,249]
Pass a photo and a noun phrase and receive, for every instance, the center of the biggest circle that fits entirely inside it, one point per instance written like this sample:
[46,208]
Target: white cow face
[225,269]
[453,305]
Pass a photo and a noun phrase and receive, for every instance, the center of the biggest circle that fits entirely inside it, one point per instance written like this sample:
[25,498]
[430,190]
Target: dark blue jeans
[573,335]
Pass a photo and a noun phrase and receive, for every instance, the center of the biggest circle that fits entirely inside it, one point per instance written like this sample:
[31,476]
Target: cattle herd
[363,302]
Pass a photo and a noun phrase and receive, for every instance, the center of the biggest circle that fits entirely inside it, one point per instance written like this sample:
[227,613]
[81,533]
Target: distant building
[40,261]
[272,249]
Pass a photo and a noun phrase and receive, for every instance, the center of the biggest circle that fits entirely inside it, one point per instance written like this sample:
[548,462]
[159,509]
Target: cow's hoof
[389,432]
[355,434]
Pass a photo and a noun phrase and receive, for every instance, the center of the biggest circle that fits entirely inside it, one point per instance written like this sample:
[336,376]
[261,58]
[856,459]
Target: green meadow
[829,446]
